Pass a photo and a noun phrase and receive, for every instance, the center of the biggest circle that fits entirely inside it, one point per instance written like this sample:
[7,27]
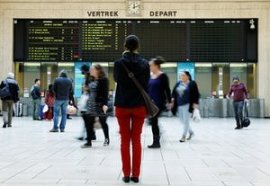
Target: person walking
[62,87]
[8,100]
[97,105]
[71,99]
[49,101]
[85,70]
[130,106]
[185,99]
[36,97]
[159,91]
[240,96]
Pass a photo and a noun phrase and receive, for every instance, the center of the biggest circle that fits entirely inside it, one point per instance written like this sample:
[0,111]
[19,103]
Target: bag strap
[132,76]
[6,82]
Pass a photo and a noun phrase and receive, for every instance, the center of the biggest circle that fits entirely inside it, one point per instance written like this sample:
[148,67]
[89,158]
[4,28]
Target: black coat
[194,96]
[164,90]
[102,91]
[127,94]
[62,88]
[13,88]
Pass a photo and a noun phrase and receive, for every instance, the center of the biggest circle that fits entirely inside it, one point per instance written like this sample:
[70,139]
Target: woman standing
[185,98]
[130,107]
[97,105]
[159,91]
[49,100]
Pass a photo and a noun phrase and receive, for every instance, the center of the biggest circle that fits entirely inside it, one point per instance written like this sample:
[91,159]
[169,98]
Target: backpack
[33,93]
[5,92]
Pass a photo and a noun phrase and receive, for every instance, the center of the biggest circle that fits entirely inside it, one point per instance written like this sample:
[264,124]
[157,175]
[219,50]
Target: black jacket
[165,91]
[62,88]
[127,94]
[194,96]
[13,88]
[102,91]
[35,92]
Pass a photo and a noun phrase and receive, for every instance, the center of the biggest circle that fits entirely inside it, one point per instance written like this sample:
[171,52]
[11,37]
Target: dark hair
[236,78]
[36,80]
[158,60]
[85,68]
[132,43]
[63,73]
[188,74]
[101,72]
[50,88]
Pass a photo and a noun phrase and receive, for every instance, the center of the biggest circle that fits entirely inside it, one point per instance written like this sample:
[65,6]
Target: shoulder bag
[151,108]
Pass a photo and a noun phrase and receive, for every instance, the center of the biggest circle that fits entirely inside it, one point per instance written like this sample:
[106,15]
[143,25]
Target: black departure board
[217,40]
[68,40]
[53,40]
[103,40]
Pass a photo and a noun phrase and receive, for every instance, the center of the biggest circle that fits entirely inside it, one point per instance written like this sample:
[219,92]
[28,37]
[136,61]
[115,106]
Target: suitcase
[19,109]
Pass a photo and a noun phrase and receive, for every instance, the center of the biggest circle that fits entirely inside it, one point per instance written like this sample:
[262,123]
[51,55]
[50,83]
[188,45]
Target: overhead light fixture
[251,22]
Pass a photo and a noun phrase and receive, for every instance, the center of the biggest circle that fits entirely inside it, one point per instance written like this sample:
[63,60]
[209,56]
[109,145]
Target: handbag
[45,108]
[71,110]
[246,120]
[82,104]
[196,116]
[152,109]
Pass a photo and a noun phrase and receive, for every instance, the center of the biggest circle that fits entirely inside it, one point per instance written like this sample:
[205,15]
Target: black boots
[238,126]
[127,179]
[156,143]
[7,125]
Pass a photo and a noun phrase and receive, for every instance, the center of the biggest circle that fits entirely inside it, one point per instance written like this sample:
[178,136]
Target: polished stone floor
[217,156]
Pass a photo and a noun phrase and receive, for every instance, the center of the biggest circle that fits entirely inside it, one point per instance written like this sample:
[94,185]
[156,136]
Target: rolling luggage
[246,120]
[19,109]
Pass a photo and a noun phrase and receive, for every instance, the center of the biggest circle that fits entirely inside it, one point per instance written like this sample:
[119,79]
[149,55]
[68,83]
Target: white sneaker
[183,139]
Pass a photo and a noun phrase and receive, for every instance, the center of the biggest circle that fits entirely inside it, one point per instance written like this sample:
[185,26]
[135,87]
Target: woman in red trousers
[130,107]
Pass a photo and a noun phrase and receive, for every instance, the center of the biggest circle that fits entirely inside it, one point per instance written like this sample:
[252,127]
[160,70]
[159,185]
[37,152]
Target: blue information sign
[186,66]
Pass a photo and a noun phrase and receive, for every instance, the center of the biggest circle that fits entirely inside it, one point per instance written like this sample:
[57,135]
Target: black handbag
[152,109]
[246,120]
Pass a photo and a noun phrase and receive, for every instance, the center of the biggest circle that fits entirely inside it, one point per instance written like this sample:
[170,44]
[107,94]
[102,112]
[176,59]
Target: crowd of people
[130,108]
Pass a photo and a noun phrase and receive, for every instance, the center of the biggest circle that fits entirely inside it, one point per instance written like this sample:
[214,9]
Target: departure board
[217,40]
[103,40]
[68,40]
[53,40]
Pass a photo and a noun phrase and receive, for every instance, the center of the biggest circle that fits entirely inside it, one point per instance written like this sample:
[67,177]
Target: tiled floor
[217,156]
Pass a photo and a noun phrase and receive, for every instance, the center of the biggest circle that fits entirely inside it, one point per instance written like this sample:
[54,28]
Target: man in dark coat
[8,101]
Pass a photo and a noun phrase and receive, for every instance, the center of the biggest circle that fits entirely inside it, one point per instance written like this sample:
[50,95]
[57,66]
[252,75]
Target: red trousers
[130,123]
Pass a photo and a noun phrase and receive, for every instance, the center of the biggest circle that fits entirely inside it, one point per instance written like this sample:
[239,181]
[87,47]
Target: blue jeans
[184,118]
[60,105]
[238,112]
